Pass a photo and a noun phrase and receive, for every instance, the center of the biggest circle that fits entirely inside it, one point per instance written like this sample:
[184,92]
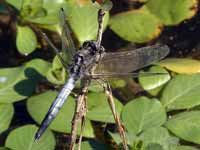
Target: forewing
[55,49]
[68,47]
[128,61]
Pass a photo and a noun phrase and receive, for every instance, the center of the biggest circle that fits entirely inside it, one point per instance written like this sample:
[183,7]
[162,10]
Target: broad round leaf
[22,138]
[19,82]
[172,12]
[135,26]
[39,105]
[99,109]
[83,21]
[159,135]
[182,92]
[154,81]
[181,65]
[26,40]
[143,113]
[6,111]
[186,125]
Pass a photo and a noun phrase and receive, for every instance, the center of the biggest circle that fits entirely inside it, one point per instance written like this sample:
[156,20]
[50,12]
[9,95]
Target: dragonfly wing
[128,61]
[125,75]
[68,47]
[65,64]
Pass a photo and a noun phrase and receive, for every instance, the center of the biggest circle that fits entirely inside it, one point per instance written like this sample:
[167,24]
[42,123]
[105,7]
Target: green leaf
[136,26]
[85,14]
[154,81]
[117,83]
[57,74]
[93,145]
[156,91]
[62,122]
[51,14]
[143,113]
[16,3]
[32,9]
[186,148]
[186,125]
[154,146]
[56,64]
[95,86]
[159,136]
[19,82]
[22,138]
[6,111]
[106,5]
[130,138]
[138,145]
[99,109]
[181,65]
[26,40]
[4,148]
[172,12]
[83,21]
[34,4]
[182,92]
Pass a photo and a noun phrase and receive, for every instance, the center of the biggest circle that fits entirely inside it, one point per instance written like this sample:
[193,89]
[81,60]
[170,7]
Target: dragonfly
[91,61]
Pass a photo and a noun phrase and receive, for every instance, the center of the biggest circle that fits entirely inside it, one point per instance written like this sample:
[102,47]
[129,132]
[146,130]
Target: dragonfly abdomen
[65,91]
[55,107]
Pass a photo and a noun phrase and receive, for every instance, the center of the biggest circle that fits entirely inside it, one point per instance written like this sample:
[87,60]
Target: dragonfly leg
[101,82]
[108,92]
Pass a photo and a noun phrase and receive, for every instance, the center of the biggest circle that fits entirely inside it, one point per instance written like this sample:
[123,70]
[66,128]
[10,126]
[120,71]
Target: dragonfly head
[93,47]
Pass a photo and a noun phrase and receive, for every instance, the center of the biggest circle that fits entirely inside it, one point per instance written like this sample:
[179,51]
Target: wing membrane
[129,74]
[128,61]
[55,50]
[68,47]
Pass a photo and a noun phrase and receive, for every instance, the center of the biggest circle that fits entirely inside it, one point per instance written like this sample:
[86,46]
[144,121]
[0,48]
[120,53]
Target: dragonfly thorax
[85,59]
[93,47]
